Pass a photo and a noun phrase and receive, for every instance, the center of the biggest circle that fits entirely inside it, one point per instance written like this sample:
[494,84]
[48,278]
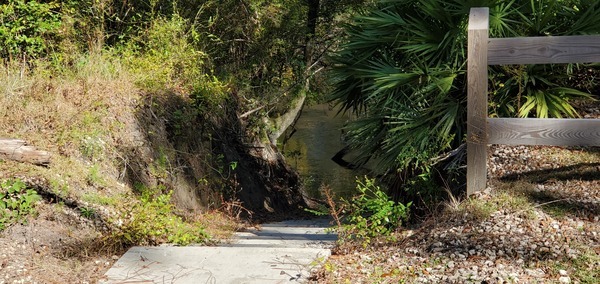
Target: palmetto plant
[402,71]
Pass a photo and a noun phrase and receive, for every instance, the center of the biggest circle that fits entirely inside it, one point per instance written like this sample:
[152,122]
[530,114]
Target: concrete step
[297,234]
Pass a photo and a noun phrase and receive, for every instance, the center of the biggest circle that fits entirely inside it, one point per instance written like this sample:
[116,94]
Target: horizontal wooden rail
[544,50]
[549,131]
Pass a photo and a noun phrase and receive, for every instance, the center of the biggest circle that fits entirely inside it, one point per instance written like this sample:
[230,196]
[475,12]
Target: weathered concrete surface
[276,253]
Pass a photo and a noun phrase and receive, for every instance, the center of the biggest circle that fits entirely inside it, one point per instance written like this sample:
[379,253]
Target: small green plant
[16,202]
[92,147]
[161,167]
[293,154]
[87,212]
[209,94]
[371,213]
[320,211]
[59,187]
[94,177]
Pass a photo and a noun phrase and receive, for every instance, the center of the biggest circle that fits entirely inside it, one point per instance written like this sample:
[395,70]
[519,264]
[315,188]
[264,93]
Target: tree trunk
[17,150]
[283,122]
[262,180]
[311,28]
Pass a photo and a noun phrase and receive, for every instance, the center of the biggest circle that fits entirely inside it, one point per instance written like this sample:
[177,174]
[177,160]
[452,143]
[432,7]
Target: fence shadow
[581,171]
[565,191]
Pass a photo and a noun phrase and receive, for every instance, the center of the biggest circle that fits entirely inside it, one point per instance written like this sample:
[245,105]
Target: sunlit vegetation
[402,71]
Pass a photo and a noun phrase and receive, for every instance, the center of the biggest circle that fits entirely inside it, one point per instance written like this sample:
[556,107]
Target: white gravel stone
[564,279]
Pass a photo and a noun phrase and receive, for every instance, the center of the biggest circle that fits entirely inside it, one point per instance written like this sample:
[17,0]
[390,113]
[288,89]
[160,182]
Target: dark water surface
[309,150]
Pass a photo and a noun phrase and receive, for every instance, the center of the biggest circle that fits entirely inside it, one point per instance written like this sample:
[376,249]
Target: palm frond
[402,69]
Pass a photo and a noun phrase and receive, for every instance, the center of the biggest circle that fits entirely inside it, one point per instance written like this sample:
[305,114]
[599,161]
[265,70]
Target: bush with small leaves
[26,28]
[16,202]
[371,213]
[153,221]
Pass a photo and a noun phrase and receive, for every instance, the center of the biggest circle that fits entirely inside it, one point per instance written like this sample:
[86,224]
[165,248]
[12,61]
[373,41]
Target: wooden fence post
[477,89]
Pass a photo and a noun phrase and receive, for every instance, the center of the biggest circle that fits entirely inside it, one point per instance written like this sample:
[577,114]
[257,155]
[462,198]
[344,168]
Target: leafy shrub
[25,27]
[371,213]
[152,221]
[164,55]
[16,202]
[87,212]
[209,94]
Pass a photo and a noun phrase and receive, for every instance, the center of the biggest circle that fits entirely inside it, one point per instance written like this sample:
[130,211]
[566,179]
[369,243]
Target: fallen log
[17,150]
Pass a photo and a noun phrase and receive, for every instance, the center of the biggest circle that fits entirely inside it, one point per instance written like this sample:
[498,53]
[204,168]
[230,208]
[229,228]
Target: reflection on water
[309,150]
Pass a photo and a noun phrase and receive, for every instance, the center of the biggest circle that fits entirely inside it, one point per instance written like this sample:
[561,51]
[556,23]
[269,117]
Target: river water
[309,150]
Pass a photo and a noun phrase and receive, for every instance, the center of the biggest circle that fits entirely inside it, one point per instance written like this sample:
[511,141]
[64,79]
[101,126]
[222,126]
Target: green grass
[576,155]
[506,197]
[95,177]
[100,199]
[582,269]
[586,268]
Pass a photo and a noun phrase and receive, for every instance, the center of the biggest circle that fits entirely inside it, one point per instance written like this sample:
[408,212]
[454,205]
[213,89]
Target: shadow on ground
[565,191]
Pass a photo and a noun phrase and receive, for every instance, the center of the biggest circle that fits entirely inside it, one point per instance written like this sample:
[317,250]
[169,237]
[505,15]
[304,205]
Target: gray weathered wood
[514,131]
[544,50]
[550,131]
[477,77]
[17,150]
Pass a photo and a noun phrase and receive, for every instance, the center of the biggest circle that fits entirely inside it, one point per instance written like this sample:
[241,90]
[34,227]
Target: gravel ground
[537,222]
[58,246]
[550,233]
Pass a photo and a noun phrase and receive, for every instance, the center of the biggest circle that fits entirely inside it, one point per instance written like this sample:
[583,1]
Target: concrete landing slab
[184,265]
[280,252]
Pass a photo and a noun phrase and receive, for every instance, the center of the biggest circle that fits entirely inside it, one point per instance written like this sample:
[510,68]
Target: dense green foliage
[166,56]
[402,71]
[266,52]
[26,27]
[16,202]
